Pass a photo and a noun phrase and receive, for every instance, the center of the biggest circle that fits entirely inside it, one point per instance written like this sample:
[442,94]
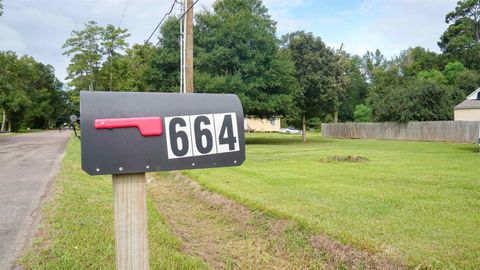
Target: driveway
[28,165]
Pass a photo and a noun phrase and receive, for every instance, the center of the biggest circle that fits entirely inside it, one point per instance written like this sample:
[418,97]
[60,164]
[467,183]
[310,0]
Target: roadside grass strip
[77,230]
[416,203]
[228,235]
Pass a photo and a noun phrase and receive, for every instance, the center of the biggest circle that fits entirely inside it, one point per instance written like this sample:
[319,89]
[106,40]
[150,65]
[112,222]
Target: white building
[262,124]
[469,109]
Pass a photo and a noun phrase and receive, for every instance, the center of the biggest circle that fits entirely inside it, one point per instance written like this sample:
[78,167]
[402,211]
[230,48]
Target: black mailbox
[131,132]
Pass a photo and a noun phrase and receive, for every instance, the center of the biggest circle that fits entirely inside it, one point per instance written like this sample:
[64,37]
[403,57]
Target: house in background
[262,124]
[469,109]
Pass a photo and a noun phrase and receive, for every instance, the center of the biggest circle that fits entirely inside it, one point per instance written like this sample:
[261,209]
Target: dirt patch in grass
[228,235]
[349,158]
[347,257]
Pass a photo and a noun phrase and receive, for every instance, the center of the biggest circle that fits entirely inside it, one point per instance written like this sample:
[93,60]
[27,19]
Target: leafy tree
[30,94]
[236,51]
[434,75]
[135,79]
[356,89]
[461,78]
[318,73]
[373,63]
[73,96]
[467,81]
[49,105]
[383,76]
[12,95]
[86,51]
[1,7]
[129,70]
[461,40]
[113,42]
[418,59]
[452,70]
[341,81]
[163,73]
[362,113]
[418,100]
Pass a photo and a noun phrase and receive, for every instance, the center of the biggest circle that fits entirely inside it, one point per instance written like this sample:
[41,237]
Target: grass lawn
[77,232]
[418,202]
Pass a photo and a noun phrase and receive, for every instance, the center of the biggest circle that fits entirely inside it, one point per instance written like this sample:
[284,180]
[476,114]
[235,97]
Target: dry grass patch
[228,235]
[349,158]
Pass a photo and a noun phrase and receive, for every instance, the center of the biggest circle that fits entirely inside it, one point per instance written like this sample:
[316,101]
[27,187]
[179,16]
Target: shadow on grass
[282,140]
[472,148]
[272,141]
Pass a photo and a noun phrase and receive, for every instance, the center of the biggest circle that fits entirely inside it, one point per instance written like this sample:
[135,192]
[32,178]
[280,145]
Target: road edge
[37,213]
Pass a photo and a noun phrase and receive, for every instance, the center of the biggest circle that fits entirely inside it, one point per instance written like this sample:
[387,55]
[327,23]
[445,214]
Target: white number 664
[198,135]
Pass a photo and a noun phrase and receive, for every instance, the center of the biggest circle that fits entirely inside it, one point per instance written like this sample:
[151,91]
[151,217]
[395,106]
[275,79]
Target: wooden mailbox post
[129,134]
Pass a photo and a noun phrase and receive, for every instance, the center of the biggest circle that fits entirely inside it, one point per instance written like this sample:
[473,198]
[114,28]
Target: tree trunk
[477,30]
[9,125]
[111,72]
[335,116]
[304,129]
[4,119]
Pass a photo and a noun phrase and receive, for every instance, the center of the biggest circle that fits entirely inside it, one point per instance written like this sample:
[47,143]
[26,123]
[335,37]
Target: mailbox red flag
[148,126]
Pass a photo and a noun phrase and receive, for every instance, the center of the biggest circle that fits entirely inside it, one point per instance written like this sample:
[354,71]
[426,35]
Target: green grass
[77,232]
[415,201]
[33,130]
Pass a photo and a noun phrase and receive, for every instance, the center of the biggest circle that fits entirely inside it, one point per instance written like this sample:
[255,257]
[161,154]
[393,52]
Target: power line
[181,17]
[156,28]
[127,4]
[153,32]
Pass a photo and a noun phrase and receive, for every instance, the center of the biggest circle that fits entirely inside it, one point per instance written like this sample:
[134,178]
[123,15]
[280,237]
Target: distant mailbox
[131,132]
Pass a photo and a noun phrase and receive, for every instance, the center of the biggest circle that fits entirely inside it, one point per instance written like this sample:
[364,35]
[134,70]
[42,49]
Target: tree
[236,51]
[461,78]
[113,42]
[135,79]
[434,75]
[30,94]
[362,113]
[1,7]
[418,100]
[461,40]
[342,80]
[382,76]
[86,51]
[418,59]
[163,73]
[318,73]
[12,95]
[49,104]
[356,90]
[372,63]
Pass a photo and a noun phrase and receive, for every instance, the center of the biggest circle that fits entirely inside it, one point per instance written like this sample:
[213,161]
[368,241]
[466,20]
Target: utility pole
[182,46]
[189,47]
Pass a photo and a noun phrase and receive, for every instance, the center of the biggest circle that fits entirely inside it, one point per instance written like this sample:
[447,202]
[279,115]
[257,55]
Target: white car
[290,130]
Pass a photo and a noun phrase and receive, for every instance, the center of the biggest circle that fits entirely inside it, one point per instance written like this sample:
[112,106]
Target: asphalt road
[28,165]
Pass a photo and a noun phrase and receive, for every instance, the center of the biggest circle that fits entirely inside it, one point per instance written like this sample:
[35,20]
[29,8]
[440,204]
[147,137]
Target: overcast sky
[40,27]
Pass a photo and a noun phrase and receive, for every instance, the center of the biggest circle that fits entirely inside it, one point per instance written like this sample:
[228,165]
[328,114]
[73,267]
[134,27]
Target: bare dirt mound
[227,235]
[349,158]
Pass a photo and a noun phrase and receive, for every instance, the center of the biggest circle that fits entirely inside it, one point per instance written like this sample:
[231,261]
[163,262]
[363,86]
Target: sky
[40,27]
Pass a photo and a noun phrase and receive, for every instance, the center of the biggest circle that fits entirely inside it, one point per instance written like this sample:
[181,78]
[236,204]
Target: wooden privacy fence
[446,131]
